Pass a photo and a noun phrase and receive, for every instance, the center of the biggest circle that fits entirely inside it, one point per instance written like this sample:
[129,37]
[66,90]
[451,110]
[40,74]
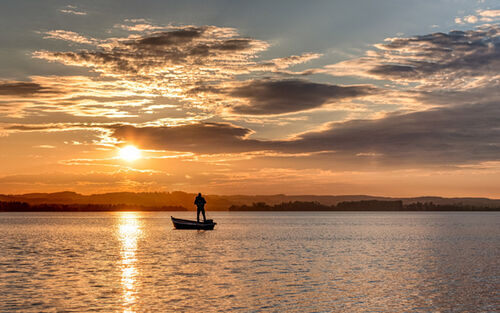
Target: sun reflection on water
[129,232]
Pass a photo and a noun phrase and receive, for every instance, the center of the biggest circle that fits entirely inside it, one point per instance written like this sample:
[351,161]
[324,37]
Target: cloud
[51,127]
[444,136]
[172,61]
[485,16]
[91,181]
[449,135]
[488,15]
[295,59]
[471,19]
[69,36]
[75,95]
[279,64]
[16,88]
[73,10]
[439,60]
[480,90]
[265,97]
[44,146]
[140,25]
[15,96]
[198,64]
[200,138]
[30,127]
[191,52]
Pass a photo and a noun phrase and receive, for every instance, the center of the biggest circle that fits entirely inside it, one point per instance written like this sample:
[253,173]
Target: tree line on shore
[364,205]
[16,206]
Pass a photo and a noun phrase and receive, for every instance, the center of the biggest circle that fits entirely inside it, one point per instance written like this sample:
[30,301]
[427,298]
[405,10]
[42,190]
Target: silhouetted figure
[200,204]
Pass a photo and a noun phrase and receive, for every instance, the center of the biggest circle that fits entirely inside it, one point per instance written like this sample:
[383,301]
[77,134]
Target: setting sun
[129,153]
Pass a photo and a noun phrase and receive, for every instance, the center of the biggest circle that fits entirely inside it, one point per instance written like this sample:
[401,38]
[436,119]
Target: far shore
[345,206]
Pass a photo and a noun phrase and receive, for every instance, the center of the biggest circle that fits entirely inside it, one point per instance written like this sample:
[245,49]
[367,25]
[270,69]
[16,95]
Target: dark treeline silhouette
[365,205]
[132,199]
[370,205]
[223,202]
[16,206]
[285,206]
[429,206]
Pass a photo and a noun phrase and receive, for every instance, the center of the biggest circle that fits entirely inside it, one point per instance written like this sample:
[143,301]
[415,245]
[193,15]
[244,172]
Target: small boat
[188,224]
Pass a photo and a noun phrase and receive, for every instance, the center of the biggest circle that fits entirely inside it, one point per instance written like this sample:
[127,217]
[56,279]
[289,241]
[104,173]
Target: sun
[129,153]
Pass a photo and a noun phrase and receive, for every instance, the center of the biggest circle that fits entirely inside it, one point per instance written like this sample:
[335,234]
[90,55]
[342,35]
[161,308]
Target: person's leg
[204,217]
[198,215]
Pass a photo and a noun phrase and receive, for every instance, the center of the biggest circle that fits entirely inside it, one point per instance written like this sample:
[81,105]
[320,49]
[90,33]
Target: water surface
[251,262]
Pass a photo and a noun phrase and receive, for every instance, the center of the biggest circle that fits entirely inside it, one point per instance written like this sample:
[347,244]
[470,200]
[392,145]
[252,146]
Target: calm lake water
[251,262]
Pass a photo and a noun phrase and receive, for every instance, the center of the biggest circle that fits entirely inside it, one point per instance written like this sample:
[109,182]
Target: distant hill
[334,200]
[220,202]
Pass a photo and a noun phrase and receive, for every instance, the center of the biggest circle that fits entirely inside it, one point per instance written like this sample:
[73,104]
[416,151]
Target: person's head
[199,194]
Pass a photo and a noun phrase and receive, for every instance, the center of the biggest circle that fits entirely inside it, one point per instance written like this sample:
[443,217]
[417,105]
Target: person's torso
[200,201]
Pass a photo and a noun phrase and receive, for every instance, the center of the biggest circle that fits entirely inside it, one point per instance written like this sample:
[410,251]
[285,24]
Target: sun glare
[129,153]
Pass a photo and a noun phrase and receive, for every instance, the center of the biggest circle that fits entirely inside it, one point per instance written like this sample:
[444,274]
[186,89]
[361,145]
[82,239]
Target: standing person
[200,204]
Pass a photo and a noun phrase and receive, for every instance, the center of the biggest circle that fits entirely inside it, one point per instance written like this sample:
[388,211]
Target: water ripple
[252,262]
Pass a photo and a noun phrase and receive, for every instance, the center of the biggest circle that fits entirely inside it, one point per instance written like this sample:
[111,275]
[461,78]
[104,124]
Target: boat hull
[188,224]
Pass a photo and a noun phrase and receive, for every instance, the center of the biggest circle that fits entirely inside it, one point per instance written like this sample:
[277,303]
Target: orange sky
[218,109]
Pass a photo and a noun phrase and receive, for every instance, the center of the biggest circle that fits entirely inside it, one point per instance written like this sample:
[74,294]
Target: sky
[390,97]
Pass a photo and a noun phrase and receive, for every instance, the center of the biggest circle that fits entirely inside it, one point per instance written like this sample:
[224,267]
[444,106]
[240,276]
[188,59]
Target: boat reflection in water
[129,231]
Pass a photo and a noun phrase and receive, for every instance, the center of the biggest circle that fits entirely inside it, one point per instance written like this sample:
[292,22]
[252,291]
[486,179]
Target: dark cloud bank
[199,138]
[151,53]
[21,89]
[453,135]
[461,54]
[286,96]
